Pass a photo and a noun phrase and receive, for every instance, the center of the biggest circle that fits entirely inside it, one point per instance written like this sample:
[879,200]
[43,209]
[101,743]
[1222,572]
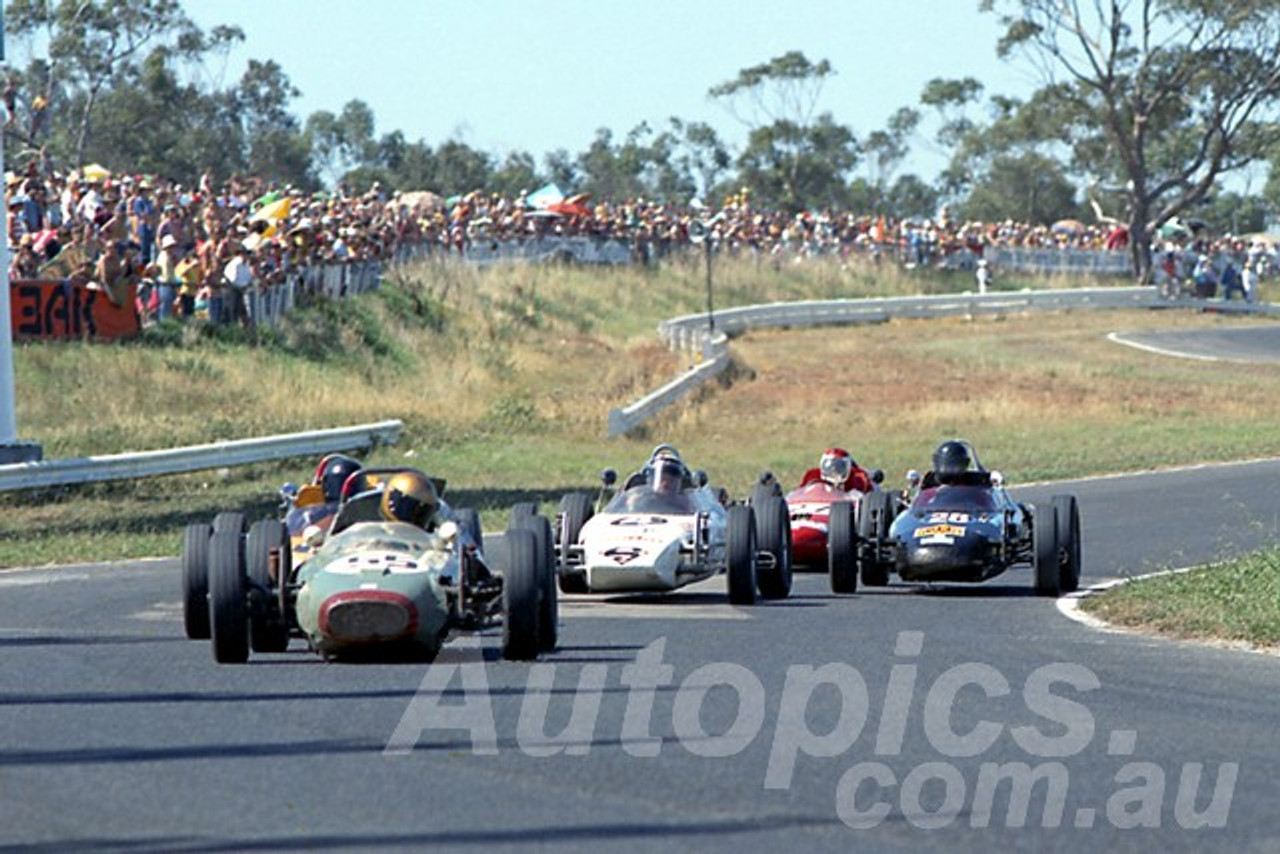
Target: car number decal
[944,517]
[623,556]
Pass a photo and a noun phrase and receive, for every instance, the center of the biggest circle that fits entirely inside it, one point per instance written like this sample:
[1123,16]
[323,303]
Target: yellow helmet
[409,497]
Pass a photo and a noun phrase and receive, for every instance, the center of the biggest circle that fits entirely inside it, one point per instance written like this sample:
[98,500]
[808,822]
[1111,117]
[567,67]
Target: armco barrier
[689,332]
[235,452]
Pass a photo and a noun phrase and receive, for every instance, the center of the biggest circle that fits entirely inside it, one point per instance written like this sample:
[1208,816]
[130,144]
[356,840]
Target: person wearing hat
[983,275]
[142,219]
[167,278]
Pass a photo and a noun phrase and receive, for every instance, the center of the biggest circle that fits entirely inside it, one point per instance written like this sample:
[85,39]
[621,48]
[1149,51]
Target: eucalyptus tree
[1157,100]
[82,49]
[795,157]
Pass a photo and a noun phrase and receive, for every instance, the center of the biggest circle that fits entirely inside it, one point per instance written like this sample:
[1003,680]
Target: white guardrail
[690,332]
[234,452]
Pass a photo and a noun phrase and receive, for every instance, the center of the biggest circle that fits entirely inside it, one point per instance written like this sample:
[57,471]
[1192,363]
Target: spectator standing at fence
[1232,281]
[239,277]
[983,274]
[167,278]
[142,214]
[1206,280]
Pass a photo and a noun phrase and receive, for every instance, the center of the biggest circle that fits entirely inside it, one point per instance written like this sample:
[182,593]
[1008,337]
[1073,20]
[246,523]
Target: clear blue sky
[505,75]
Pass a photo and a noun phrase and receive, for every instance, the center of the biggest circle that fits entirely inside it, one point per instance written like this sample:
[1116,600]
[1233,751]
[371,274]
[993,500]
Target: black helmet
[952,457]
[333,472]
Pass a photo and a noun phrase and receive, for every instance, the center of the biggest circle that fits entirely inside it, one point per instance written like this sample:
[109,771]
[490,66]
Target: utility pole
[11,450]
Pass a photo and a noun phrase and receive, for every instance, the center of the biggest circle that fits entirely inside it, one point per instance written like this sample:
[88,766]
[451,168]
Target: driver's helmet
[666,475]
[665,452]
[332,473]
[952,458]
[409,497]
[835,466]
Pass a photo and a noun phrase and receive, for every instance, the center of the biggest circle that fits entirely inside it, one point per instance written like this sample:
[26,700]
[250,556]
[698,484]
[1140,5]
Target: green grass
[1237,600]
[504,377]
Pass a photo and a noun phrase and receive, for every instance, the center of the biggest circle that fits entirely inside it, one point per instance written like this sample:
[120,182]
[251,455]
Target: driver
[839,469]
[332,473]
[410,497]
[666,476]
[951,461]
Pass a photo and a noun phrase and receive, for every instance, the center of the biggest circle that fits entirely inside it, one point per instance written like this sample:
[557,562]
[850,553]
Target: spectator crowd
[198,251]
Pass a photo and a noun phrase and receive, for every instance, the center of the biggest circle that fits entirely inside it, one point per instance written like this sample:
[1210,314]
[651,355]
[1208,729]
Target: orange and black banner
[45,309]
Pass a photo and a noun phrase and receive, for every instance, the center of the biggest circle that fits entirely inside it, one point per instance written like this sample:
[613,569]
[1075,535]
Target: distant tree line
[1145,107]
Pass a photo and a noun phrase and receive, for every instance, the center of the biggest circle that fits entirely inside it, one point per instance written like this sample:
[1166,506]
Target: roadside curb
[1069,607]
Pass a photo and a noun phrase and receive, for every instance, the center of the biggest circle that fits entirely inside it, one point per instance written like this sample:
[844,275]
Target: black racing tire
[469,521]
[548,602]
[1067,511]
[268,629]
[576,509]
[773,534]
[842,548]
[228,614]
[875,515]
[520,637]
[740,555]
[195,580]
[762,492]
[521,510]
[230,520]
[1045,543]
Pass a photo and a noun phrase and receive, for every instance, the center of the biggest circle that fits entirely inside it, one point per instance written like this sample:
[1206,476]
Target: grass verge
[1235,601]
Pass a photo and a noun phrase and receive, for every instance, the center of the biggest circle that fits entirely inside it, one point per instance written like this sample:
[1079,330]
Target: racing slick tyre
[1067,512]
[195,580]
[575,509]
[520,637]
[773,532]
[1044,535]
[842,548]
[522,510]
[762,492]
[230,520]
[875,515]
[268,629]
[228,616]
[469,521]
[740,555]
[548,603]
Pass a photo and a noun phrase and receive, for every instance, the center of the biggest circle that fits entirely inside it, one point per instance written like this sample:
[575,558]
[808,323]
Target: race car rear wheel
[1067,512]
[1044,532]
[521,510]
[469,521]
[520,637]
[773,531]
[575,510]
[842,548]
[548,602]
[230,520]
[267,542]
[740,556]
[195,580]
[228,617]
[875,515]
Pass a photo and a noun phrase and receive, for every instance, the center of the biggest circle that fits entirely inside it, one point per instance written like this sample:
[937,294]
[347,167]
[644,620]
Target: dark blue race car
[961,524]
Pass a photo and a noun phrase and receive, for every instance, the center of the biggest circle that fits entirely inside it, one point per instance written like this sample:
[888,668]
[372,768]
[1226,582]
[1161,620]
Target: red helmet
[835,466]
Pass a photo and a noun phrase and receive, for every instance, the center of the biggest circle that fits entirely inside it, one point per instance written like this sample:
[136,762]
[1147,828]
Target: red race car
[837,487]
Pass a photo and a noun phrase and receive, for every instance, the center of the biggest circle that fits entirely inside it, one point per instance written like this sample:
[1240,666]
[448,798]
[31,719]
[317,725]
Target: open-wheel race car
[962,525]
[838,514]
[665,528]
[395,574]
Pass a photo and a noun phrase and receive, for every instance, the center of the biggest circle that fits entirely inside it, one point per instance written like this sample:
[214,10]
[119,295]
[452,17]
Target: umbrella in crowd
[1069,226]
[95,172]
[273,211]
[1174,228]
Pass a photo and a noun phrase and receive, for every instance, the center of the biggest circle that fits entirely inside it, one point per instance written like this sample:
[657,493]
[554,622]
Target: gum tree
[1158,98]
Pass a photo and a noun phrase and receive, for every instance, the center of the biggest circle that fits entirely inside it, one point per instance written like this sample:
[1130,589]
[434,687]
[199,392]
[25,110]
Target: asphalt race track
[1241,344]
[893,720]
